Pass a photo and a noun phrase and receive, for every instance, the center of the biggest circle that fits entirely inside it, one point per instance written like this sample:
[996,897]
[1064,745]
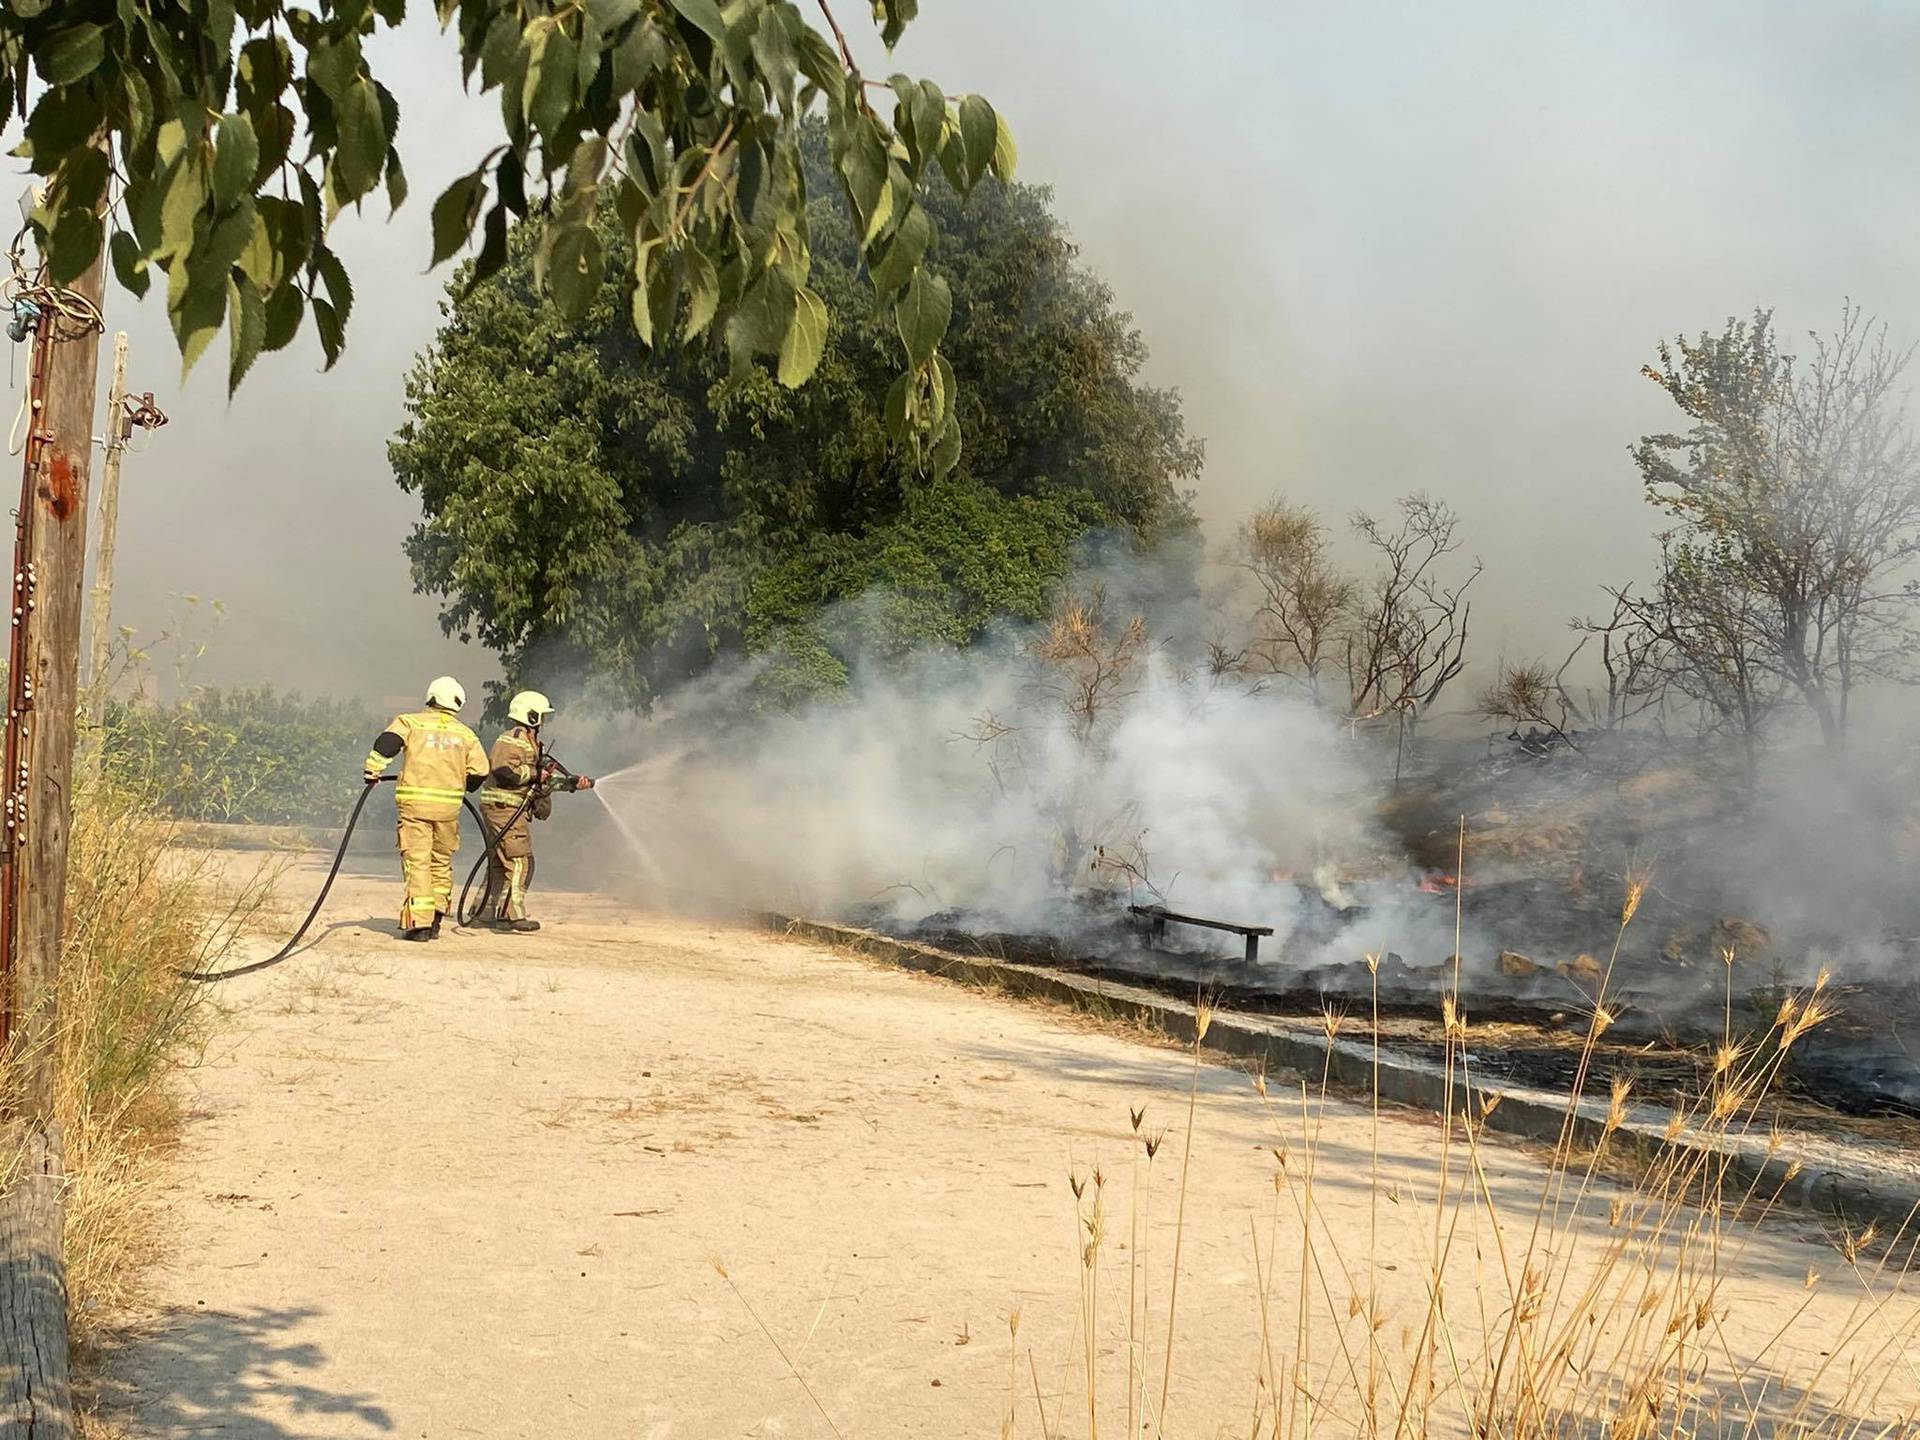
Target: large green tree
[595,509]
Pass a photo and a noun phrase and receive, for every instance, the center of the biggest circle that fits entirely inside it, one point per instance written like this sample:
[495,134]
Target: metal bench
[1161,916]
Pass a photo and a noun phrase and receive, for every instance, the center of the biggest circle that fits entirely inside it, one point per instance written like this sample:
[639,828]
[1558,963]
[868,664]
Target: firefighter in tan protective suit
[519,792]
[443,761]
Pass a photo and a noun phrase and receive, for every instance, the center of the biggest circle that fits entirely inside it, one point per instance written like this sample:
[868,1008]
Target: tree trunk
[35,1403]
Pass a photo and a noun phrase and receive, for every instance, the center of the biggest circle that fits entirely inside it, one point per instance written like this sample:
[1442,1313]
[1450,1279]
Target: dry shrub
[1094,662]
[139,911]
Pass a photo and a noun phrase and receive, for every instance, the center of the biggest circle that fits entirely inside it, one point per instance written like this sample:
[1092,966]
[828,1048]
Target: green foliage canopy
[221,138]
[593,509]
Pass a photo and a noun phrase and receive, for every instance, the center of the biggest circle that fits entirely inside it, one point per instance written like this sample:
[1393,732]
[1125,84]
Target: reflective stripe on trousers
[427,848]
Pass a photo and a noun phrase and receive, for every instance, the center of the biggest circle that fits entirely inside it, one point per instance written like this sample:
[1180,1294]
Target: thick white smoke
[969,785]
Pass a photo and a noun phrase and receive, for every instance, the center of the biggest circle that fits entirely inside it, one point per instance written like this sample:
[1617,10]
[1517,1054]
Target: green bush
[245,756]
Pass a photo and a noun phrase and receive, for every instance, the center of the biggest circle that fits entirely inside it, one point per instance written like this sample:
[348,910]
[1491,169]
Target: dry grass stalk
[1608,1316]
[139,910]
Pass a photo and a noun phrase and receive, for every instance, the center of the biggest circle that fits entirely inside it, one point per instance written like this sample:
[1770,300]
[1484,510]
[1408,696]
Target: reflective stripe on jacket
[438,755]
[511,772]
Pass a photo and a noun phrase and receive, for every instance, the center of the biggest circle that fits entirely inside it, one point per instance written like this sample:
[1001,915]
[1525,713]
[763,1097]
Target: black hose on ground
[489,841]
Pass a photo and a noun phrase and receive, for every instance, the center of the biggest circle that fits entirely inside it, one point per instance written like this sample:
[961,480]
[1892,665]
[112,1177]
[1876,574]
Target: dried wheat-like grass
[1611,1316]
[139,911]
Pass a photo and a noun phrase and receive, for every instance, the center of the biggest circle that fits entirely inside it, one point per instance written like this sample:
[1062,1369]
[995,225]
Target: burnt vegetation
[1698,740]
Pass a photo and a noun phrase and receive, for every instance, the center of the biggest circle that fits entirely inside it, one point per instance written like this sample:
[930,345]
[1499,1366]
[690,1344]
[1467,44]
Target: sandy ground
[479,1187]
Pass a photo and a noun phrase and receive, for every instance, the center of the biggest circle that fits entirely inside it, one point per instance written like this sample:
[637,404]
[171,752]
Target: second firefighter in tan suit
[520,791]
[443,761]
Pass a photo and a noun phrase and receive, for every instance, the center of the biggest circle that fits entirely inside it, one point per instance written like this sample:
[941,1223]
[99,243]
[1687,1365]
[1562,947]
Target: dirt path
[476,1188]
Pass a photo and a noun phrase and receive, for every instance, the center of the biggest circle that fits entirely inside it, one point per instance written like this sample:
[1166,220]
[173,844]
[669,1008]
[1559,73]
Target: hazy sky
[1377,247]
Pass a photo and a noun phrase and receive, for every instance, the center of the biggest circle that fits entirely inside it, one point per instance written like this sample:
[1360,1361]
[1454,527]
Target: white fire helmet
[529,707]
[446,693]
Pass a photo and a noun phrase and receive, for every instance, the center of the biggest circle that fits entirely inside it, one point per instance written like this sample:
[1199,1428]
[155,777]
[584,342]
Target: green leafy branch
[216,141]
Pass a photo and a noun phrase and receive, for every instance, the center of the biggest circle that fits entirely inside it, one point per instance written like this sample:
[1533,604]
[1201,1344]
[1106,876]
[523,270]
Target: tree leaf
[290,231]
[705,14]
[246,329]
[773,51]
[334,65]
[946,450]
[362,141]
[274,128]
[548,91]
[75,243]
[904,252]
[259,260]
[129,265]
[139,107]
[285,306]
[493,249]
[71,54]
[500,52]
[62,121]
[899,418]
[575,269]
[806,340]
[898,14]
[703,294]
[929,119]
[1006,154]
[864,168]
[643,51]
[332,335]
[236,155]
[197,302]
[945,388]
[396,181]
[882,213]
[610,15]
[760,323]
[82,182]
[455,212]
[186,192]
[980,129]
[922,315]
[339,288]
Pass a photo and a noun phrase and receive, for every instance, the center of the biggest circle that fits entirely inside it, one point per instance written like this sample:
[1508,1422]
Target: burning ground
[978,801]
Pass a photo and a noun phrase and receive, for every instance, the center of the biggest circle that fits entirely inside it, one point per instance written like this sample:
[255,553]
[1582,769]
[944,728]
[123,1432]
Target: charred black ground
[1809,875]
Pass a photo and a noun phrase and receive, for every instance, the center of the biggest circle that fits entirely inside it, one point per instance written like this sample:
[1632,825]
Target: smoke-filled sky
[1377,247]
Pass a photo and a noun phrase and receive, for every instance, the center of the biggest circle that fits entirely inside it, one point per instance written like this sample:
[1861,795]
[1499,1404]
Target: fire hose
[490,838]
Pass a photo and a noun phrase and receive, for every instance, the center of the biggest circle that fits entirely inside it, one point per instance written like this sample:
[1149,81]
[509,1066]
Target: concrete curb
[1538,1115]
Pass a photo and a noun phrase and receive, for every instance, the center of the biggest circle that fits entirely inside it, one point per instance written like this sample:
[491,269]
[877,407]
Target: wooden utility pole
[100,605]
[43,700]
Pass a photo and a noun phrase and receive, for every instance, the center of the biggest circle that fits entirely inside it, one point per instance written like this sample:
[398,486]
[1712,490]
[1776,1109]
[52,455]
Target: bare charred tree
[1798,486]
[1089,663]
[1633,658]
[1704,641]
[1305,603]
[1406,637]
